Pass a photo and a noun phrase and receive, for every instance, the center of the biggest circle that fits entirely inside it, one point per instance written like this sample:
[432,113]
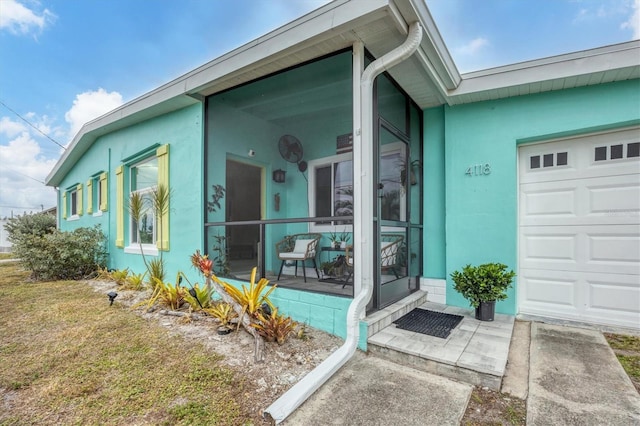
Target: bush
[22,227]
[62,255]
[484,283]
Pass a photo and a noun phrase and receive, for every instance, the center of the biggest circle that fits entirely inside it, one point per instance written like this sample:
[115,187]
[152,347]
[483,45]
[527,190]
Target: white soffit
[596,66]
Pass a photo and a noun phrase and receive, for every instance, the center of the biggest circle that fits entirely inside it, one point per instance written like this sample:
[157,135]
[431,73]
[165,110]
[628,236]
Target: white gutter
[363,190]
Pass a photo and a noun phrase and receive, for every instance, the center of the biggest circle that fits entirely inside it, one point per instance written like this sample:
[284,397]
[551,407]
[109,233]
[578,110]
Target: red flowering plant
[202,263]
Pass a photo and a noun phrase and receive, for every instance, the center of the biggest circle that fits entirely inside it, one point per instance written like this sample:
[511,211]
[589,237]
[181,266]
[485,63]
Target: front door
[392,223]
[243,203]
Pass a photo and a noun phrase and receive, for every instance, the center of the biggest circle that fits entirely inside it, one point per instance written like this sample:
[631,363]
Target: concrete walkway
[569,376]
[372,391]
[575,379]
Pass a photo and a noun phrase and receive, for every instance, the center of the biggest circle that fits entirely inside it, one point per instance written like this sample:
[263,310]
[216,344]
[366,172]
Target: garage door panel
[579,228]
[549,203]
[613,249]
[619,195]
[621,250]
[614,293]
[609,299]
[542,287]
[545,247]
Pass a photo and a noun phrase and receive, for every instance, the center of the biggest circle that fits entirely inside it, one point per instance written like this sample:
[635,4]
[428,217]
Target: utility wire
[29,123]
[37,180]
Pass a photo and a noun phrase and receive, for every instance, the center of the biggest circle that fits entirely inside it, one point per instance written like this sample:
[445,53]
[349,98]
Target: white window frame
[73,205]
[399,147]
[96,190]
[134,247]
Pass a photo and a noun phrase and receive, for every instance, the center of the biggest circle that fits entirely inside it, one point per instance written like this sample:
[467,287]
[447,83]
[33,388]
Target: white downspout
[363,190]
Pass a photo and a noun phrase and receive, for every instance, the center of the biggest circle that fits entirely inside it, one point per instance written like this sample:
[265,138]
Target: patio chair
[389,256]
[298,247]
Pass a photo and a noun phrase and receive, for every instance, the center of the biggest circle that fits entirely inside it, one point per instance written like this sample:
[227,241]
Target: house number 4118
[478,170]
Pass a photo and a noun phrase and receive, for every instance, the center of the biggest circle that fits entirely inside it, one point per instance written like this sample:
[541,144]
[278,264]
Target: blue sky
[65,62]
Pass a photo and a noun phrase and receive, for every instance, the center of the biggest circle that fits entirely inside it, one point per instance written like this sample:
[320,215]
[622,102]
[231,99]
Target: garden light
[112,296]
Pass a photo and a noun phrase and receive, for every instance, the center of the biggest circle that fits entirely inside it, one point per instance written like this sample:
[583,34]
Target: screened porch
[279,165]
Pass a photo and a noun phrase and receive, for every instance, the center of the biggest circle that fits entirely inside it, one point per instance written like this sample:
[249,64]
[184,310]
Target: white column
[358,68]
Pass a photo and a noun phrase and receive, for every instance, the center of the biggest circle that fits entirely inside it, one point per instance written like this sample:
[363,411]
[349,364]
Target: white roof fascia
[585,62]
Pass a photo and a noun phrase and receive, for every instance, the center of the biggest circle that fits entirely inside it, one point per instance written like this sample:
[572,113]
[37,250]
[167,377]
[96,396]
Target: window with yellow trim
[142,174]
[143,180]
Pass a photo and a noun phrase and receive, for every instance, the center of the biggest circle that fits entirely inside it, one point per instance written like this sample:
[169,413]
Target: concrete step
[385,317]
[475,352]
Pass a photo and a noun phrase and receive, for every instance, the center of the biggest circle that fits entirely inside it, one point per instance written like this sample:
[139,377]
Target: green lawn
[70,358]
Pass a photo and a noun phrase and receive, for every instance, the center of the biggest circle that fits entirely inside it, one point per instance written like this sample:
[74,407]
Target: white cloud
[634,20]
[473,47]
[11,128]
[90,105]
[19,19]
[24,168]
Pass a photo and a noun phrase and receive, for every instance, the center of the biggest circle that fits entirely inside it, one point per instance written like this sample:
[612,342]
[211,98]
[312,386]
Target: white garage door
[579,229]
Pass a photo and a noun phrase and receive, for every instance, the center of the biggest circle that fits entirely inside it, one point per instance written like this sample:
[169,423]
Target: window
[143,180]
[146,172]
[97,194]
[72,202]
[331,187]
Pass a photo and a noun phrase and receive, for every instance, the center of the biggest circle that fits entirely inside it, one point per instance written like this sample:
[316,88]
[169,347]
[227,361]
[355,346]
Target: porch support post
[358,215]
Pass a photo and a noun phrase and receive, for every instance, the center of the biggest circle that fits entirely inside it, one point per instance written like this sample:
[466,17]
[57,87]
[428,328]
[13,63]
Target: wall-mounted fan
[291,150]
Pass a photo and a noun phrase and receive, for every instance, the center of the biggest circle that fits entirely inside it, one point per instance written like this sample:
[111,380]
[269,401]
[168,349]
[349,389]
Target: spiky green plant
[203,294]
[120,276]
[223,312]
[167,294]
[135,281]
[156,271]
[251,298]
[159,204]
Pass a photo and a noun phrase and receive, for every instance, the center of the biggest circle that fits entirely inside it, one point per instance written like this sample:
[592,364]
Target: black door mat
[433,323]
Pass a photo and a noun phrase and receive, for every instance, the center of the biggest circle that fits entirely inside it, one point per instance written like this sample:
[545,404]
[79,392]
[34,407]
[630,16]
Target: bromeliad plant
[171,296]
[223,312]
[135,281]
[202,263]
[274,327]
[252,298]
[199,297]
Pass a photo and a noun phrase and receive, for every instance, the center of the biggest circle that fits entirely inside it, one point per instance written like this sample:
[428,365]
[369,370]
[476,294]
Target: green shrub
[22,227]
[484,283]
[62,255]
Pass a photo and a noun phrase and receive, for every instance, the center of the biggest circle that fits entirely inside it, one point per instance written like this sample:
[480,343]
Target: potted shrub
[482,286]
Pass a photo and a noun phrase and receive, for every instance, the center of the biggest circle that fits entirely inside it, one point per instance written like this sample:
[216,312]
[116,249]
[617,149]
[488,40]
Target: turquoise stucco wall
[434,259]
[183,131]
[481,211]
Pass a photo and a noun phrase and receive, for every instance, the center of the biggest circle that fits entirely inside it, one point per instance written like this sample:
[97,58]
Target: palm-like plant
[138,209]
